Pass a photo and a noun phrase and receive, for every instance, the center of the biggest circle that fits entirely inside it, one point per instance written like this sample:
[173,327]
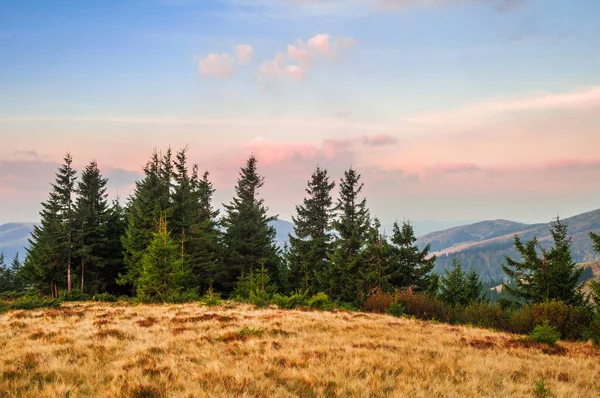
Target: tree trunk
[182,246]
[69,266]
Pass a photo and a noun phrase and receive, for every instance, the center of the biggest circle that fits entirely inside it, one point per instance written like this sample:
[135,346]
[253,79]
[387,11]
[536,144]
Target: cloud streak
[483,111]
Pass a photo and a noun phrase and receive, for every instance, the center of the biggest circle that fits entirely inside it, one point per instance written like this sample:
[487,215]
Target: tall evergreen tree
[595,241]
[91,224]
[150,200]
[64,189]
[205,234]
[410,266]
[554,276]
[249,238]
[311,244]
[5,275]
[48,263]
[114,261]
[378,255]
[15,272]
[352,226]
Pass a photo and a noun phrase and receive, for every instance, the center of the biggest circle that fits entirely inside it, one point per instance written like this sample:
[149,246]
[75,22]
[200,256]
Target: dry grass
[106,350]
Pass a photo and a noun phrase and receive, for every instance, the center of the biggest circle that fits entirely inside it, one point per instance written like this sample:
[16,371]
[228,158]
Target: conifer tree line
[168,241]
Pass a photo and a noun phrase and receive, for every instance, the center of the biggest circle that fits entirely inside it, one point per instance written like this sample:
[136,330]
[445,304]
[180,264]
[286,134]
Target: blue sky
[471,109]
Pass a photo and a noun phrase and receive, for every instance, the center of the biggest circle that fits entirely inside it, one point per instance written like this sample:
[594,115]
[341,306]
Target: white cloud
[217,65]
[244,53]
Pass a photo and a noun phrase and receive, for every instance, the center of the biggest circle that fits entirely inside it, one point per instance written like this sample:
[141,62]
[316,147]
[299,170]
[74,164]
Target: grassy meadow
[192,350]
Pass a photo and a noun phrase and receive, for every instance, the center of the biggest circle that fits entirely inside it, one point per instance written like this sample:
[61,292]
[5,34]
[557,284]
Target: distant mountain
[482,246]
[14,239]
[283,229]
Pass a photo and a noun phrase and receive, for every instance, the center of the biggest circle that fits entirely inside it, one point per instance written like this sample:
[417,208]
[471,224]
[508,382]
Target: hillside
[14,238]
[103,350]
[483,245]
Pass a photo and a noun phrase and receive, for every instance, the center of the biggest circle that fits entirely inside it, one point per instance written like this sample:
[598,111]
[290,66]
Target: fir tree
[15,272]
[205,234]
[555,276]
[311,244]
[150,200]
[459,288]
[161,276]
[5,275]
[378,254]
[595,241]
[91,220]
[48,262]
[410,266]
[114,261]
[64,189]
[352,226]
[249,238]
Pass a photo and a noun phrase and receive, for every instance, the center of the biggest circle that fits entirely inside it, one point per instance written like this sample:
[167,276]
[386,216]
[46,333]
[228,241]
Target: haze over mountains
[480,246]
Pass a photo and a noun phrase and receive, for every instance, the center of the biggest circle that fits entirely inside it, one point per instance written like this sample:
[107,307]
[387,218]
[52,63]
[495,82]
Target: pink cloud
[217,65]
[456,167]
[378,140]
[482,111]
[572,165]
[295,62]
[244,53]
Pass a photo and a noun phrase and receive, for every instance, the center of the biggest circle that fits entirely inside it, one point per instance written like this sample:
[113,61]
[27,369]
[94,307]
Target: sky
[449,109]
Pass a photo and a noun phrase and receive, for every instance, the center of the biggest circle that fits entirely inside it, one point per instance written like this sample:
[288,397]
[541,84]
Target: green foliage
[311,244]
[555,276]
[162,277]
[105,297]
[458,287]
[248,239]
[545,334]
[251,332]
[422,306]
[75,295]
[320,301]
[254,284]
[410,267]
[593,330]
[32,302]
[396,309]
[540,390]
[211,298]
[344,279]
[296,299]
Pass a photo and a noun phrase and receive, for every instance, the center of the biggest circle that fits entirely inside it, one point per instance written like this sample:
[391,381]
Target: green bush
[593,330]
[484,315]
[105,297]
[75,295]
[32,302]
[545,333]
[396,309]
[211,298]
[259,298]
[345,306]
[183,296]
[295,300]
[320,301]
[569,320]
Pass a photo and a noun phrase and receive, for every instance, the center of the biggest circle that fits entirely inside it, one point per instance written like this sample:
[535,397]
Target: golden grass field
[106,350]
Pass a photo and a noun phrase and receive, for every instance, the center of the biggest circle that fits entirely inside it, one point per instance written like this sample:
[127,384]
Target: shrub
[593,330]
[346,306]
[290,302]
[320,301]
[379,302]
[422,306]
[105,297]
[182,296]
[396,309]
[540,390]
[545,333]
[569,320]
[211,298]
[484,315]
[519,321]
[75,295]
[32,302]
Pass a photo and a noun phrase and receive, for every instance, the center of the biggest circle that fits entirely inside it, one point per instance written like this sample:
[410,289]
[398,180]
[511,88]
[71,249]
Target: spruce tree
[311,244]
[150,200]
[352,226]
[48,263]
[378,254]
[161,275]
[595,241]
[410,266]
[554,276]
[114,261]
[248,238]
[185,205]
[91,223]
[459,288]
[64,189]
[5,275]
[205,234]
[15,272]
